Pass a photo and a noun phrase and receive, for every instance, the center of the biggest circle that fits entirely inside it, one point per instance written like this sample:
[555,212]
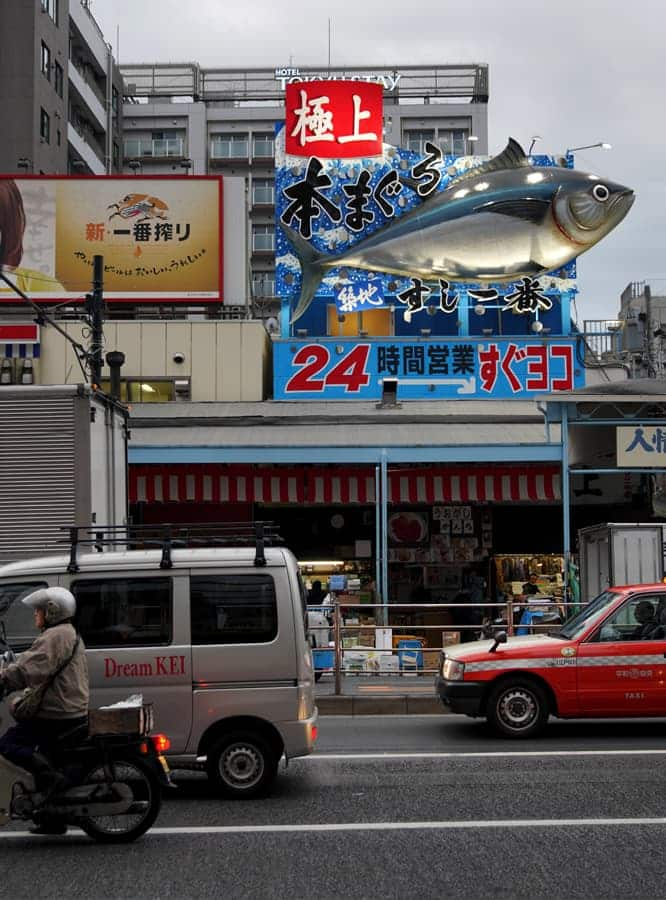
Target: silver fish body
[502,220]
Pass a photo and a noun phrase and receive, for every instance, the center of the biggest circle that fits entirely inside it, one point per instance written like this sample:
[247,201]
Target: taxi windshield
[592,613]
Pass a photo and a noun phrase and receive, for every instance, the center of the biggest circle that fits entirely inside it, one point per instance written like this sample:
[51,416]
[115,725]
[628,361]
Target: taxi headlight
[453,670]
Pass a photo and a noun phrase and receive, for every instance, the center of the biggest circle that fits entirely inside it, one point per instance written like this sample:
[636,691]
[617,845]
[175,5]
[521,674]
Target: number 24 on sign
[349,373]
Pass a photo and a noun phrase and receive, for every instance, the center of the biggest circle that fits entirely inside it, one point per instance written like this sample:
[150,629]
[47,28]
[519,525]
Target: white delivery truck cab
[213,636]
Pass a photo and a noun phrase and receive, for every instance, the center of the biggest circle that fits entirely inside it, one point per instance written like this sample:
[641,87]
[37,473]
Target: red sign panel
[20,334]
[334,119]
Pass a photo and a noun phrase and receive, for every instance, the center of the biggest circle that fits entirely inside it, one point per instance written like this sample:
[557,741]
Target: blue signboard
[463,368]
[344,224]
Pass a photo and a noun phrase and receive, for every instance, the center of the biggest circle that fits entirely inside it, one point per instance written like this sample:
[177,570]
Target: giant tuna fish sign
[496,222]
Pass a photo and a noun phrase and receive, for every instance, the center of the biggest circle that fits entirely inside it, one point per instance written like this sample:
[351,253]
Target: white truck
[619,553]
[63,461]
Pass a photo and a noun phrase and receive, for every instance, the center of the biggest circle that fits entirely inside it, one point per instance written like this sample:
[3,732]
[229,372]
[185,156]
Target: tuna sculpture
[497,222]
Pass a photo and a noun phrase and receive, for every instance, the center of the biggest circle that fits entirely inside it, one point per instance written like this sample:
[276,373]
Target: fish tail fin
[312,270]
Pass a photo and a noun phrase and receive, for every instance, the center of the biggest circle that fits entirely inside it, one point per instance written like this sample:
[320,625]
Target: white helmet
[57,602]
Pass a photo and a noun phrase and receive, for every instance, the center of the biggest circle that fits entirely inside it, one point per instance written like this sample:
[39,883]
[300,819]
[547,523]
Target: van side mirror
[500,638]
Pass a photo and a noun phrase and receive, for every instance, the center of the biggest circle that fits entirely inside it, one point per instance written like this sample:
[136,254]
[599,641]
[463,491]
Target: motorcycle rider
[64,706]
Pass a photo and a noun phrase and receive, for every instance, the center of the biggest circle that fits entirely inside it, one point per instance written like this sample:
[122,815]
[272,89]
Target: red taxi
[608,661]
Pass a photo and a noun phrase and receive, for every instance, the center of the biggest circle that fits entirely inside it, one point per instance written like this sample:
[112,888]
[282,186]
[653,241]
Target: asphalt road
[395,807]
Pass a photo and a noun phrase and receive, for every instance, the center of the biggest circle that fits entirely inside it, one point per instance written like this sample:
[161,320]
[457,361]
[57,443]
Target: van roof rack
[169,536]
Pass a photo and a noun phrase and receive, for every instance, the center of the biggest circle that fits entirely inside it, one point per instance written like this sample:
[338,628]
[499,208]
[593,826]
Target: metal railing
[492,612]
[162,148]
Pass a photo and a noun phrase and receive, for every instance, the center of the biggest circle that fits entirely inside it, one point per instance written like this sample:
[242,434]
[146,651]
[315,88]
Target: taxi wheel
[517,709]
[242,765]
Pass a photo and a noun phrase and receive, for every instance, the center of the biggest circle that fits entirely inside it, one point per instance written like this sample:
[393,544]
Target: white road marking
[476,754]
[384,826]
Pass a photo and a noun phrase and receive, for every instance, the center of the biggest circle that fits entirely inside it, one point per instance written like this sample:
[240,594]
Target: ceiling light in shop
[320,562]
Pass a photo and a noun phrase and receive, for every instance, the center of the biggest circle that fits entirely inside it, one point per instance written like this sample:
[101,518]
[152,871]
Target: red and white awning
[342,485]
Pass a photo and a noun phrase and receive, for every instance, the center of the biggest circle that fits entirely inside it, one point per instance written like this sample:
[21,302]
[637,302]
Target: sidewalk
[379,695]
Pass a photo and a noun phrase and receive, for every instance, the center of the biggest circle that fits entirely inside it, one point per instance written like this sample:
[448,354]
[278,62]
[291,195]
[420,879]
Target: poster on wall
[160,237]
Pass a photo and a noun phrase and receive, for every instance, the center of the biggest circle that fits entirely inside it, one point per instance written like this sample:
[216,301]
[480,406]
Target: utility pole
[95,306]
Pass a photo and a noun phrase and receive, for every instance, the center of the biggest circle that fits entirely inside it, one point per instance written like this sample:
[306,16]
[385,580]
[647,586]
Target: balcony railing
[263,195]
[603,337]
[167,148]
[228,149]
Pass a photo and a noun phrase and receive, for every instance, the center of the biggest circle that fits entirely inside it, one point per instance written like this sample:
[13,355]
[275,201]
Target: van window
[18,619]
[233,609]
[124,612]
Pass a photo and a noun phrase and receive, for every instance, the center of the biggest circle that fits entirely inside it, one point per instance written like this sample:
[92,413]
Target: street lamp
[602,144]
[534,139]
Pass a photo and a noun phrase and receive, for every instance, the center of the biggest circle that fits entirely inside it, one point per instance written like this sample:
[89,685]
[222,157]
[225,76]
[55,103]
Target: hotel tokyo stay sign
[435,369]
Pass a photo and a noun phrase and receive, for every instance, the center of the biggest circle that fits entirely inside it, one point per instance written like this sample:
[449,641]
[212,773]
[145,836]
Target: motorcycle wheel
[122,829]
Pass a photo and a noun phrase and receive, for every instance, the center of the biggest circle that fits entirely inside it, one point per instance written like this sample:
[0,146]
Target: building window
[116,156]
[262,145]
[453,142]
[229,146]
[165,143]
[59,80]
[58,137]
[263,237]
[44,126]
[263,285]
[114,101]
[416,140]
[46,61]
[263,190]
[51,7]
[149,390]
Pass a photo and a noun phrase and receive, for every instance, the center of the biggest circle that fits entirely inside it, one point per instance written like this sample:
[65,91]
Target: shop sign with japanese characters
[466,368]
[641,446]
[334,119]
[160,237]
[343,194]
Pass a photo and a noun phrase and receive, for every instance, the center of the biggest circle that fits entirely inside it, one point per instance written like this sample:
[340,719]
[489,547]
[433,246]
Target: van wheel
[242,765]
[318,673]
[517,709]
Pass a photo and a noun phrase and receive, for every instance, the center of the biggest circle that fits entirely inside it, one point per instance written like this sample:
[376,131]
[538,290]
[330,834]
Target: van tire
[318,673]
[517,708]
[242,765]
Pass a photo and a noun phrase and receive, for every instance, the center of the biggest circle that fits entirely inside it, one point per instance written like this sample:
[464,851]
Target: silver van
[214,637]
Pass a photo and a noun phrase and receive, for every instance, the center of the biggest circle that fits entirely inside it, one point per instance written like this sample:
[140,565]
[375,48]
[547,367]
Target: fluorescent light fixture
[321,562]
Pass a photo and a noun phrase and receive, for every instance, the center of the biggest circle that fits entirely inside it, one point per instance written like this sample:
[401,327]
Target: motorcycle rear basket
[121,720]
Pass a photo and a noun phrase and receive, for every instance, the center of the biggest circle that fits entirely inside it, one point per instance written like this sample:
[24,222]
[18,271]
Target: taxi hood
[514,645]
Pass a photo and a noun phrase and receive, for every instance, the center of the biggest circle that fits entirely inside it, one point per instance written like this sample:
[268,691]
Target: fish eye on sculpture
[600,192]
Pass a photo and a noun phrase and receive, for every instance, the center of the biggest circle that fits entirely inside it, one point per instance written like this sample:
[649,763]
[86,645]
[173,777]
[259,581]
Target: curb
[392,705]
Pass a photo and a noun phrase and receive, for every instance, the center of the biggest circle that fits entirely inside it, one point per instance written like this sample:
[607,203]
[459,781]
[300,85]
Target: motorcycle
[110,775]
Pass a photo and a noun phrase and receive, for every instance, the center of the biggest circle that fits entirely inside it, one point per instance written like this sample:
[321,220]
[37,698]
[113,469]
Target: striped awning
[342,485]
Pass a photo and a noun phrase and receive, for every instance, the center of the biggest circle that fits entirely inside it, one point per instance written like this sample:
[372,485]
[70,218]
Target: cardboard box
[389,664]
[450,637]
[431,659]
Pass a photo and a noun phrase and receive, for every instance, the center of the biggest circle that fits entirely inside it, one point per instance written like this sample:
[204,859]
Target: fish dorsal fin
[512,157]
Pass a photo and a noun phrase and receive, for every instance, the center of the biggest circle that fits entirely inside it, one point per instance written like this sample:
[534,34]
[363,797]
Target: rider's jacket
[68,694]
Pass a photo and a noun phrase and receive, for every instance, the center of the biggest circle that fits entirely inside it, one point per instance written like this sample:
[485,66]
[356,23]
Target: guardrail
[507,611]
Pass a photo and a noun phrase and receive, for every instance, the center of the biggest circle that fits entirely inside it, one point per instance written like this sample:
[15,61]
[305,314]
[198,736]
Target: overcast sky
[573,71]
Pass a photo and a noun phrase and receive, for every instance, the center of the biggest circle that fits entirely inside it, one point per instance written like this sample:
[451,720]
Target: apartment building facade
[60,91]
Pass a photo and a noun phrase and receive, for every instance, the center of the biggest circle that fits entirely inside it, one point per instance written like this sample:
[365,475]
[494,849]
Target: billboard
[369,225]
[160,237]
[433,369]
